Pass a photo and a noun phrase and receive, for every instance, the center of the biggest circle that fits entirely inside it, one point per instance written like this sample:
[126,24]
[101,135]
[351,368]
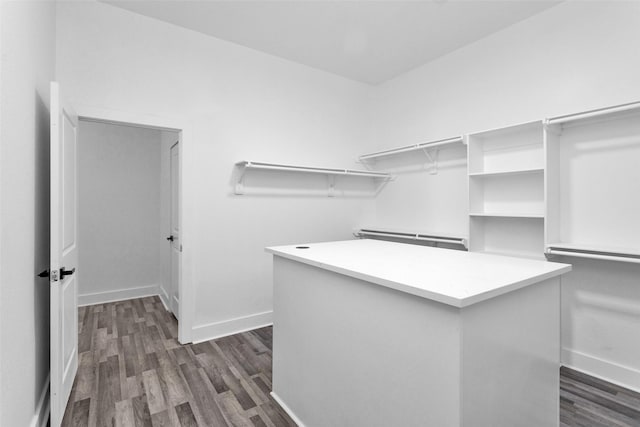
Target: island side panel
[511,358]
[351,353]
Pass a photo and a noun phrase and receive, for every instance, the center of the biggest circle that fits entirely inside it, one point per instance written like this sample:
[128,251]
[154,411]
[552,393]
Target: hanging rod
[411,236]
[414,147]
[594,254]
[593,113]
[307,169]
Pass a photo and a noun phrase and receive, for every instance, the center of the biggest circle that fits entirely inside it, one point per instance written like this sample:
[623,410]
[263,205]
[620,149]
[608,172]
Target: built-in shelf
[507,214]
[415,147]
[508,172]
[506,190]
[379,177]
[507,150]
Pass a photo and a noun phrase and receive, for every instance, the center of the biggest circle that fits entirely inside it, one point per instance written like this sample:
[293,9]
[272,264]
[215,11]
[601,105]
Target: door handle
[171,238]
[45,273]
[64,272]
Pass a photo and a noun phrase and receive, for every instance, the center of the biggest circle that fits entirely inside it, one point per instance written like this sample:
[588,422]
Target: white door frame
[185,201]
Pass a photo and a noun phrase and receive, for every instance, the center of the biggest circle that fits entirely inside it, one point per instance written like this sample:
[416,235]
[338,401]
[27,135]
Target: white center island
[373,333]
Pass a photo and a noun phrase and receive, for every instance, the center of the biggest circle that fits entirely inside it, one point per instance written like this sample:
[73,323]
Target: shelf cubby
[512,236]
[507,150]
[515,194]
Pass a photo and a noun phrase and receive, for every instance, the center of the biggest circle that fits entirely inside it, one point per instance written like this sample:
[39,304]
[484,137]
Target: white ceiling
[367,41]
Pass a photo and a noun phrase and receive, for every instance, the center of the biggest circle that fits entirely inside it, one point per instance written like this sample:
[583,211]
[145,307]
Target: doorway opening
[129,204]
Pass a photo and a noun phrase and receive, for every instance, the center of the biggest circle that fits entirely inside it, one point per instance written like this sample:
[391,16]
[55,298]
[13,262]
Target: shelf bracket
[332,185]
[432,158]
[239,187]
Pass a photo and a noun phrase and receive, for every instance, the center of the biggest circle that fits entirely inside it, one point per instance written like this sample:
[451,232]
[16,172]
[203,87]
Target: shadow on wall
[41,254]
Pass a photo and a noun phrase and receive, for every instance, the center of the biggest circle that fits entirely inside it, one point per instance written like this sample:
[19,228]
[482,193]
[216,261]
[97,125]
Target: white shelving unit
[245,166]
[593,184]
[506,190]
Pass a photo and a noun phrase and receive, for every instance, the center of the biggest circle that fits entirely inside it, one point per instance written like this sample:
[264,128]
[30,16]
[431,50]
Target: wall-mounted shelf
[330,173]
[428,149]
[507,172]
[594,252]
[427,237]
[507,214]
[415,147]
[594,115]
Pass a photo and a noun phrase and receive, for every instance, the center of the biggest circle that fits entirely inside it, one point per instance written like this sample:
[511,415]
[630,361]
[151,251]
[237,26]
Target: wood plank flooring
[133,372]
[586,401]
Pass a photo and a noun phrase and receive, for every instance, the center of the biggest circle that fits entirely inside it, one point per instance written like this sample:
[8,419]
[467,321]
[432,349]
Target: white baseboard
[118,295]
[164,297]
[231,326]
[287,409]
[623,376]
[41,417]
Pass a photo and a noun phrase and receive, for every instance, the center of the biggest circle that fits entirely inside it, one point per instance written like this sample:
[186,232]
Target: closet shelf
[331,173]
[307,169]
[428,237]
[633,107]
[508,172]
[594,251]
[415,147]
[507,215]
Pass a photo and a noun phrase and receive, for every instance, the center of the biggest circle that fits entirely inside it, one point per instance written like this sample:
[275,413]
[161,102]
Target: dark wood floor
[586,401]
[133,372]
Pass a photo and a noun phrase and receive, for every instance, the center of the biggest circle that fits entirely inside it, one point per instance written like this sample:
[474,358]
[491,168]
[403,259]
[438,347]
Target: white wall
[119,212]
[247,105]
[242,104]
[28,63]
[573,57]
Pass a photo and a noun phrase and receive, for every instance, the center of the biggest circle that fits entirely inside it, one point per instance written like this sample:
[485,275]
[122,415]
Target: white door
[175,229]
[64,253]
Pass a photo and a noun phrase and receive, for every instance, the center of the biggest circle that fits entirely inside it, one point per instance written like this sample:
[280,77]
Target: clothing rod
[601,255]
[325,171]
[593,113]
[409,236]
[424,145]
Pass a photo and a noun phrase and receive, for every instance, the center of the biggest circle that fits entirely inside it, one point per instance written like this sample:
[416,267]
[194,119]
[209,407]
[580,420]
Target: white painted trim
[232,326]
[187,202]
[118,295]
[164,297]
[287,409]
[624,376]
[41,417]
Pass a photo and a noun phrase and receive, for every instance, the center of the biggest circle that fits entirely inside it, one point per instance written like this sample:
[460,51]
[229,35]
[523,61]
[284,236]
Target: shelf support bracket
[432,158]
[332,186]
[239,187]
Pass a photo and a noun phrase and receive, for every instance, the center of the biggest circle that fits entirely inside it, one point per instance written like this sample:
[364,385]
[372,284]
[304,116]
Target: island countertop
[456,278]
